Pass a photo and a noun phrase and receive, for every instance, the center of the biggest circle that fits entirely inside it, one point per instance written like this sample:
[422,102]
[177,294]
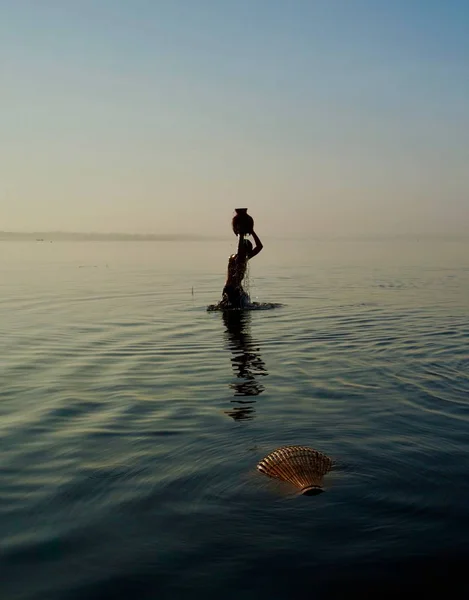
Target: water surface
[132,420]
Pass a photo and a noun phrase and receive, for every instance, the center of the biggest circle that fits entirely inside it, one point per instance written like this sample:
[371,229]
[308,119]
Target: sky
[322,117]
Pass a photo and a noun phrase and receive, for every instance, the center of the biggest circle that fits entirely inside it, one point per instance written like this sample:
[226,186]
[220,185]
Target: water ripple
[132,421]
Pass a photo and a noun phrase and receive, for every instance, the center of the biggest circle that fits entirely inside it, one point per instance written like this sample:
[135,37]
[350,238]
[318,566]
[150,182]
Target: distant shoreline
[60,236]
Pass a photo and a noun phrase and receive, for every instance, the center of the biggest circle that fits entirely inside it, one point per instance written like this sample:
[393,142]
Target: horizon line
[60,235]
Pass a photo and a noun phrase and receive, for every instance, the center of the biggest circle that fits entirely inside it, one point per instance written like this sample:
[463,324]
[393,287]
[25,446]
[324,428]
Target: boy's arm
[259,244]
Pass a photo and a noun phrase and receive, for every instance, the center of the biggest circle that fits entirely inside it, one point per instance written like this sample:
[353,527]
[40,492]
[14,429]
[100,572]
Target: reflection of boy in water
[233,293]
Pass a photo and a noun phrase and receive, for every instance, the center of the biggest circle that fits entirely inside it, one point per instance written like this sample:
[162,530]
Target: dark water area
[132,421]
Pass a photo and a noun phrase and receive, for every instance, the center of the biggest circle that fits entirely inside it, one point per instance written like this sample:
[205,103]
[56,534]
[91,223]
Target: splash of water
[252,306]
[247,281]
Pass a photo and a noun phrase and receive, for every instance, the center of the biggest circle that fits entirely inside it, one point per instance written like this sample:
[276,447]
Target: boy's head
[245,249]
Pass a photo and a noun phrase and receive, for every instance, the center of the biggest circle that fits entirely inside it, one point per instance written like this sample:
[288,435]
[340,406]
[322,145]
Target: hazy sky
[162,116]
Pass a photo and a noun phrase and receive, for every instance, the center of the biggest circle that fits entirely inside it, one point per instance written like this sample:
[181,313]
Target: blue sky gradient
[323,117]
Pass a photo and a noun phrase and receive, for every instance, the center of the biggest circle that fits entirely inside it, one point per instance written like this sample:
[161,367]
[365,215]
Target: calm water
[132,420]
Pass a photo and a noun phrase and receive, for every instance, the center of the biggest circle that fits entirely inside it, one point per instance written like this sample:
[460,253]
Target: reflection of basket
[299,465]
[242,223]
